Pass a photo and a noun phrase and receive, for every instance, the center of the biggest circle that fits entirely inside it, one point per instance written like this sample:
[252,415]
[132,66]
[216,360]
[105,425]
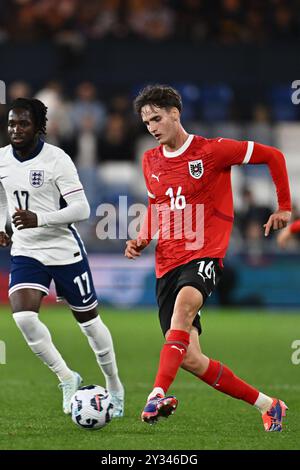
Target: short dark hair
[162,96]
[37,110]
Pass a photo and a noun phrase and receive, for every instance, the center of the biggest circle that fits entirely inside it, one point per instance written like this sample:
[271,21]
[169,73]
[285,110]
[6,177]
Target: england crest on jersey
[196,169]
[36,178]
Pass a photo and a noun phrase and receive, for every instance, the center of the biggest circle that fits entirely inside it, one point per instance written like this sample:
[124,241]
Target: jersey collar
[33,154]
[180,150]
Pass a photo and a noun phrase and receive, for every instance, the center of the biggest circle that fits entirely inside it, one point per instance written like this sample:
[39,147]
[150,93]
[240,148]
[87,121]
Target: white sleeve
[3,209]
[66,176]
[77,209]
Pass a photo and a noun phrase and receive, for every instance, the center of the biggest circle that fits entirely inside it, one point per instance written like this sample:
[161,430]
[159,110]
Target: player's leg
[221,378]
[190,285]
[187,303]
[74,283]
[101,342]
[25,303]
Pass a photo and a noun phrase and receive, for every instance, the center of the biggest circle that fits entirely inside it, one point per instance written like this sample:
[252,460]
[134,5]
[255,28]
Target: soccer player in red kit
[189,189]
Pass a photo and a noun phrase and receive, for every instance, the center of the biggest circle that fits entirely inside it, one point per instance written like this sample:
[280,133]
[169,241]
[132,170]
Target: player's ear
[175,114]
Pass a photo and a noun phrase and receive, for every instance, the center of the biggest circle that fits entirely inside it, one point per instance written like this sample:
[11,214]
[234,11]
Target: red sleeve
[263,154]
[150,223]
[228,152]
[295,226]
[146,172]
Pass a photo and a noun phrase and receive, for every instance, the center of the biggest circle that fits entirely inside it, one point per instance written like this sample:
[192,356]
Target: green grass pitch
[256,345]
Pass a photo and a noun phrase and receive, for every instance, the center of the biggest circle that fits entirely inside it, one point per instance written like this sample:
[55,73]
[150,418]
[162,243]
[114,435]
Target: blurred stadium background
[234,61]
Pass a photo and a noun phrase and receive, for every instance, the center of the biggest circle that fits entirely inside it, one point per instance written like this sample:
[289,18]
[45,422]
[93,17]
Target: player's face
[21,128]
[160,122]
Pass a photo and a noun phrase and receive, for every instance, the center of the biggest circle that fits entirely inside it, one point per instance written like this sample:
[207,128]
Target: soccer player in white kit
[40,187]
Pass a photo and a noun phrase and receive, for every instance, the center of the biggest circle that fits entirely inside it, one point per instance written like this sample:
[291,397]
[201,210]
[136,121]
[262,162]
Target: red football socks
[171,357]
[223,379]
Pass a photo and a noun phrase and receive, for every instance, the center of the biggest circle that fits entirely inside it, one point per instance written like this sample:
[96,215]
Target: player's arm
[148,229]
[4,238]
[232,152]
[274,158]
[149,226]
[77,209]
[287,234]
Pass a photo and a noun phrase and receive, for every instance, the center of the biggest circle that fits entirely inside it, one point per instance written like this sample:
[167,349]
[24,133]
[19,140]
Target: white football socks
[39,340]
[100,340]
[263,403]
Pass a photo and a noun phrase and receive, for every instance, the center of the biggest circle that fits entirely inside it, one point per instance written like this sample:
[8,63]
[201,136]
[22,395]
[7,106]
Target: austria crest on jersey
[196,169]
[36,178]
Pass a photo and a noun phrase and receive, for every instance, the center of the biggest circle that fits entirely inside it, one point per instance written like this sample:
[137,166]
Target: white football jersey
[39,185]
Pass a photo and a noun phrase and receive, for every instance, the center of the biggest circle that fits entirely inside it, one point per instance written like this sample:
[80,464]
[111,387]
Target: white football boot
[69,387]
[118,402]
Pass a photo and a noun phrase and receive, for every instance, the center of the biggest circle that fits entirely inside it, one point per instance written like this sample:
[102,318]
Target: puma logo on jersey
[219,140]
[156,177]
[179,349]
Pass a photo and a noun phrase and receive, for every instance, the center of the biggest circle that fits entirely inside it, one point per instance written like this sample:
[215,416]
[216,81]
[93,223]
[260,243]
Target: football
[91,407]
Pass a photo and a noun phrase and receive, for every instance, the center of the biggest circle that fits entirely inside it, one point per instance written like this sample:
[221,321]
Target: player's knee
[31,327]
[185,313]
[188,302]
[83,317]
[26,300]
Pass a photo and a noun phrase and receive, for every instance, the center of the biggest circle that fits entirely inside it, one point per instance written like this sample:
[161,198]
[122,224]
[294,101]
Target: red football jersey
[191,190]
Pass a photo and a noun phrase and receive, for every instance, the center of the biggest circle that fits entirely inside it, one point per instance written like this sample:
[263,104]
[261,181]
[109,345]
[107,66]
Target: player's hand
[277,221]
[283,237]
[134,248]
[24,219]
[4,239]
